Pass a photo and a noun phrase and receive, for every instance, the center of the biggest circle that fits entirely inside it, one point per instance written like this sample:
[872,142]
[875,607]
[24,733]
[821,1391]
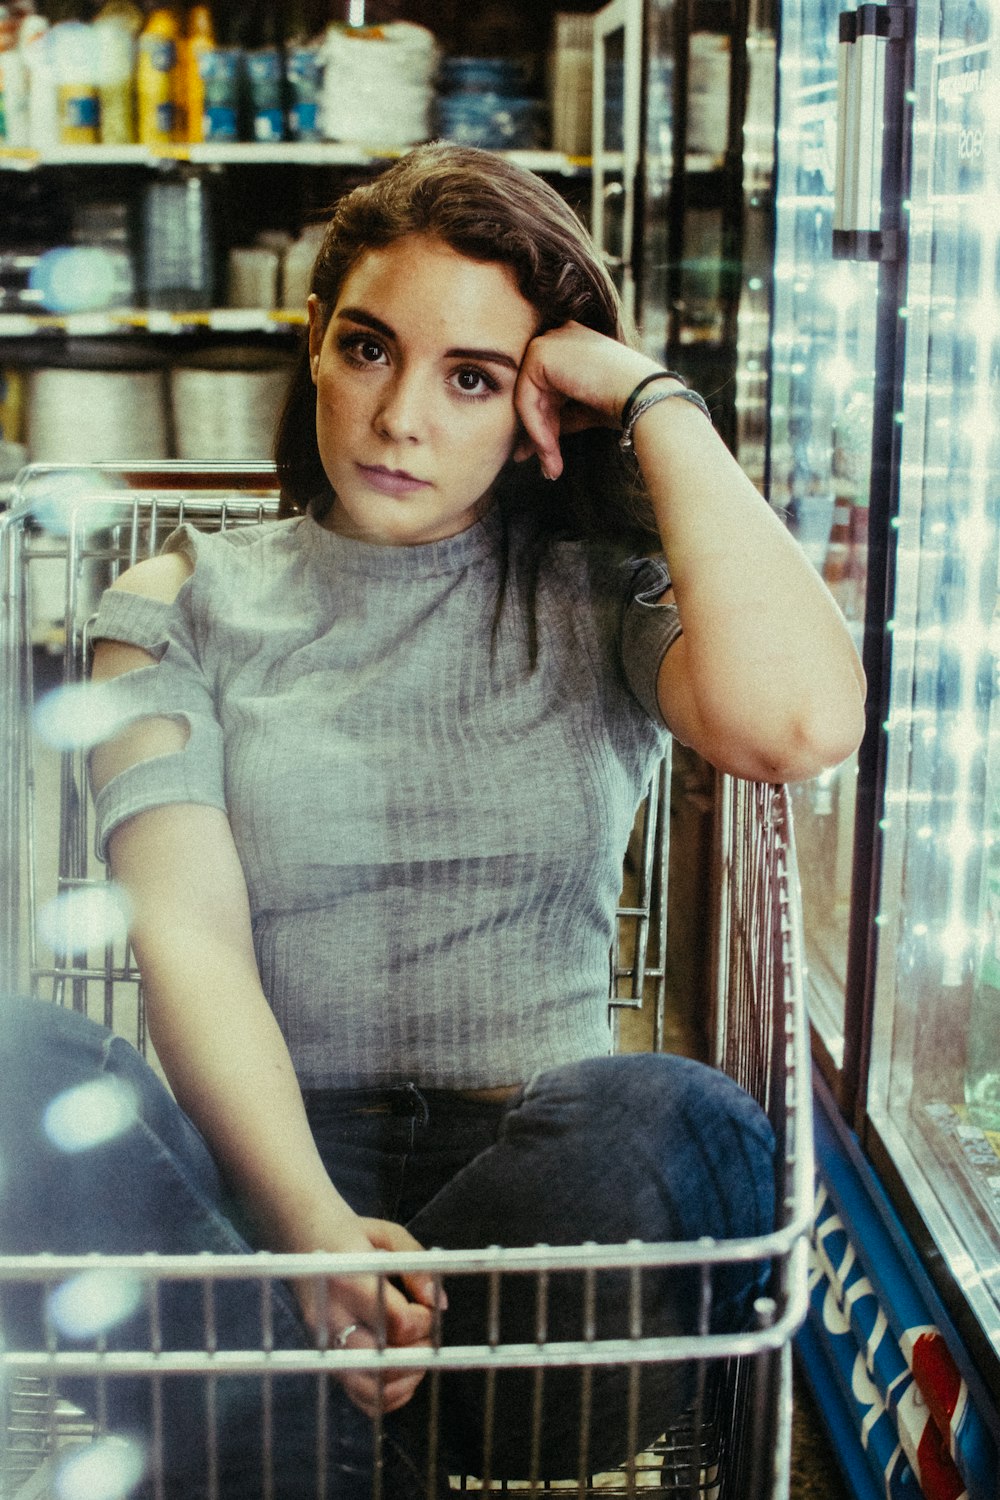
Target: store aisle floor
[815,1475]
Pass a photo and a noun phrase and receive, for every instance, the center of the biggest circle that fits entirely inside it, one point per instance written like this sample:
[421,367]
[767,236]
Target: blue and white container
[264,87]
[304,81]
[221,69]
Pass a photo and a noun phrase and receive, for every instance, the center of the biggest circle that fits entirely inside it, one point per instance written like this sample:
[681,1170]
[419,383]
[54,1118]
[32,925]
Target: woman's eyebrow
[484,356]
[367,320]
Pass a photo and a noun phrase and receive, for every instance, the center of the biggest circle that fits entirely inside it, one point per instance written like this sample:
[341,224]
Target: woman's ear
[317,331]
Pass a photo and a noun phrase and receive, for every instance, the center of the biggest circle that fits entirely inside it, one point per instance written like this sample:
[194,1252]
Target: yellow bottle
[158,88]
[117,26]
[200,38]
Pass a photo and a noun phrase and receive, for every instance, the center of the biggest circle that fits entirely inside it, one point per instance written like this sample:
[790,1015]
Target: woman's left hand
[572,378]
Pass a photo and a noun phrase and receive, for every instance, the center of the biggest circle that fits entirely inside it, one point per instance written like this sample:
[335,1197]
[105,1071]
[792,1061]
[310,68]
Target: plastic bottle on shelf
[264,74]
[296,270]
[13,97]
[708,94]
[220,69]
[74,55]
[43,91]
[158,79]
[198,40]
[303,74]
[116,27]
[8,29]
[178,243]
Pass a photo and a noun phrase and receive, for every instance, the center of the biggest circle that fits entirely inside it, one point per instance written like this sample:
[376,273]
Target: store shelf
[252,153]
[116,323]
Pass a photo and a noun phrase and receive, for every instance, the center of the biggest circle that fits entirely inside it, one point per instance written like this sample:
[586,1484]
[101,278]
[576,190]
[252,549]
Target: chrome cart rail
[66,537]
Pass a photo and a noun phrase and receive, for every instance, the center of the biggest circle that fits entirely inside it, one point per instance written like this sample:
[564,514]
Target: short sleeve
[175,687]
[649,629]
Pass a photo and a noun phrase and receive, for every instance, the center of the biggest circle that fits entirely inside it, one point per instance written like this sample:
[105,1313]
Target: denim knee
[82,1114]
[662,1147]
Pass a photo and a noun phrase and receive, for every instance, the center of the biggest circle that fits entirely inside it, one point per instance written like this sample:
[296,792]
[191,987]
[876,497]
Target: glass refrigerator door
[617,110]
[823,380]
[934,1085]
[658,167]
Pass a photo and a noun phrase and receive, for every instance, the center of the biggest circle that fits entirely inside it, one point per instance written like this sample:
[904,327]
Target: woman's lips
[391,481]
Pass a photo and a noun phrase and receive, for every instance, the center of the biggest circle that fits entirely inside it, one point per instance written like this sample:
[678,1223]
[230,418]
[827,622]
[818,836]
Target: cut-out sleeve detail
[649,629]
[134,619]
[174,688]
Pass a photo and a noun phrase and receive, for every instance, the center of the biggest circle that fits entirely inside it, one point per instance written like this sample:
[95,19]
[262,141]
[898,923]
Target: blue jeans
[646,1147]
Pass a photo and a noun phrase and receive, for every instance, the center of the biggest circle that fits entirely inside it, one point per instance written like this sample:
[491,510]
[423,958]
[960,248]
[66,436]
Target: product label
[159,52]
[219,123]
[303,121]
[268,125]
[82,112]
[79,115]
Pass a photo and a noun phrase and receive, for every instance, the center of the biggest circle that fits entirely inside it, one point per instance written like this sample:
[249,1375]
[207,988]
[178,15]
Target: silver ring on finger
[340,1339]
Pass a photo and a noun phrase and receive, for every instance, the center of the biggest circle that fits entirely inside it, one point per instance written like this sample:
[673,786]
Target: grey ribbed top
[431,830]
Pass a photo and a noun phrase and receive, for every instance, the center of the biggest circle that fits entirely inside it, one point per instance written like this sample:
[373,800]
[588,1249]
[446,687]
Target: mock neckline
[423,560]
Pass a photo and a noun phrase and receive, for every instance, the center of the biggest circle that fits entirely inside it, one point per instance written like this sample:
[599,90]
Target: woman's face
[415,375]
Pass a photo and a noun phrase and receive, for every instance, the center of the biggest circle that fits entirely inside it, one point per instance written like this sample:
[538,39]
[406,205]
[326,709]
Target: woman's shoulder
[160,578]
[188,548]
[193,543]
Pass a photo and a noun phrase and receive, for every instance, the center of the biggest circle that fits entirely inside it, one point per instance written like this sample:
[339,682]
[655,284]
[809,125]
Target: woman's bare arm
[765,681]
[213,1030]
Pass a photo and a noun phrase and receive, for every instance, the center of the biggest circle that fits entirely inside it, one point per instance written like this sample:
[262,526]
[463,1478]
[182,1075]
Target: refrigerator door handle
[866,195]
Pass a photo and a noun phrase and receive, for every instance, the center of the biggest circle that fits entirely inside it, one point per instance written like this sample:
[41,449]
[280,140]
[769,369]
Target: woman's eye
[475,382]
[362,348]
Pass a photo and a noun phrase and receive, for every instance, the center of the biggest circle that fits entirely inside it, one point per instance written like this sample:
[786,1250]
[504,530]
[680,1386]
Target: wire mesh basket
[65,539]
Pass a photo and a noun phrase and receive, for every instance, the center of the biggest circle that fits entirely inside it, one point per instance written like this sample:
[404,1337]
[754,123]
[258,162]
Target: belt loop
[422,1111]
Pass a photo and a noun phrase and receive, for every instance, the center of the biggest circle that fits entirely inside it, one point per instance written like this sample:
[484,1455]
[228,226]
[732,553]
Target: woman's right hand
[332,1304]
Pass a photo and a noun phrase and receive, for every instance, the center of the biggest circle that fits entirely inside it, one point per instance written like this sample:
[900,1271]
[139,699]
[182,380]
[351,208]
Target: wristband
[636,411]
[648,380]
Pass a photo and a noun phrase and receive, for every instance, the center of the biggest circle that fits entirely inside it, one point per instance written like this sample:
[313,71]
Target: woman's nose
[402,412]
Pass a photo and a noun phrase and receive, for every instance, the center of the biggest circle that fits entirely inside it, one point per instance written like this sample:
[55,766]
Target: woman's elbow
[817,738]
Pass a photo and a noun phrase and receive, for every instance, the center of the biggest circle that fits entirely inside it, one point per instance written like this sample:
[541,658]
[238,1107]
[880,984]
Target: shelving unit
[690,300]
[650,189]
[332,156]
[250,153]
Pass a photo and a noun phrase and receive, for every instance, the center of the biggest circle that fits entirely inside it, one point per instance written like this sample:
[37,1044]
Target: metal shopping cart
[68,533]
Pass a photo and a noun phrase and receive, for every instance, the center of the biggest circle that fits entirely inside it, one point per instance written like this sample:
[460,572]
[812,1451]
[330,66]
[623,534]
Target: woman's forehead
[421,281]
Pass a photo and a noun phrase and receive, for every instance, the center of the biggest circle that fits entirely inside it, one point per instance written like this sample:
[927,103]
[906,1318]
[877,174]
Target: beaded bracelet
[633,409]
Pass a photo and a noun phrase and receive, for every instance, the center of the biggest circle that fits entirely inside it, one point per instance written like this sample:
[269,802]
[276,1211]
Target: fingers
[572,378]
[376,1314]
[375,1391]
[426,1290]
[539,411]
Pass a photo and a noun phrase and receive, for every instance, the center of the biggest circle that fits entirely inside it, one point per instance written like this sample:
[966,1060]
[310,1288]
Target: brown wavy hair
[488,209]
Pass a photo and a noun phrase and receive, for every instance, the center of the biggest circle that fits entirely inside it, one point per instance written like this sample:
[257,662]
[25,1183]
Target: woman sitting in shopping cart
[379,765]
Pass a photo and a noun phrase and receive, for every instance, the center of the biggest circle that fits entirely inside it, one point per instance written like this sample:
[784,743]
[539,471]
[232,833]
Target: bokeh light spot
[93,1302]
[88,917]
[90,1114]
[78,499]
[105,1470]
[76,716]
